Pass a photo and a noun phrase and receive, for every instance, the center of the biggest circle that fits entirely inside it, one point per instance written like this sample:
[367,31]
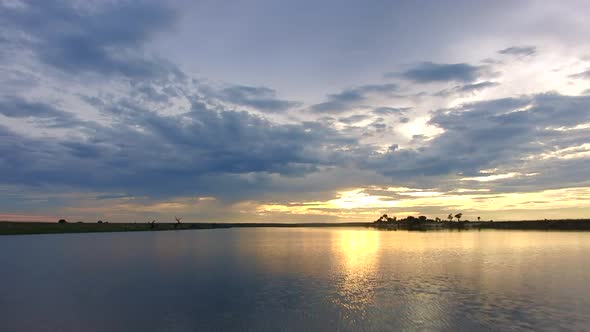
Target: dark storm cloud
[104,39]
[519,51]
[428,72]
[260,98]
[347,99]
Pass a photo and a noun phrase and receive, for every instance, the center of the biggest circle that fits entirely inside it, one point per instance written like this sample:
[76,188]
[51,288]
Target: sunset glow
[106,115]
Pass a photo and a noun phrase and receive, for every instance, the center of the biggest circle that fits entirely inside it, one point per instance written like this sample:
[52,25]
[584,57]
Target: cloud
[467,89]
[259,98]
[494,177]
[390,110]
[582,75]
[519,51]
[112,196]
[106,39]
[16,107]
[347,99]
[354,118]
[113,121]
[47,115]
[178,154]
[428,72]
[508,134]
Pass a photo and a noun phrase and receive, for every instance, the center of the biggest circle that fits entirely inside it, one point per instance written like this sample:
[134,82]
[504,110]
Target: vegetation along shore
[409,223]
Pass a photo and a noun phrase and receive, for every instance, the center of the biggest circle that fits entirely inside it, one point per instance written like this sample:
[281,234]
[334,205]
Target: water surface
[295,279]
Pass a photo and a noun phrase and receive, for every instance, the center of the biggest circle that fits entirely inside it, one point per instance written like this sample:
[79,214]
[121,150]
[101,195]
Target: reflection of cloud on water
[280,252]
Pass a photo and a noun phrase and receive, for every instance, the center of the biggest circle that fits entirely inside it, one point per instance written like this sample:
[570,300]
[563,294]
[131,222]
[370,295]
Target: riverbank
[19,228]
[566,224]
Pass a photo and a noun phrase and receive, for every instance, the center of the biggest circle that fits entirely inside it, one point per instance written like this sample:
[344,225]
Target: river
[296,279]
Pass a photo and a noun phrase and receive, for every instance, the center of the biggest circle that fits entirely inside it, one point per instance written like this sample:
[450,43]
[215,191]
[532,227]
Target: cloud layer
[96,120]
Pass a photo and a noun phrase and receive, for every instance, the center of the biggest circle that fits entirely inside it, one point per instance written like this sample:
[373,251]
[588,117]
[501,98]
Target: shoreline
[23,228]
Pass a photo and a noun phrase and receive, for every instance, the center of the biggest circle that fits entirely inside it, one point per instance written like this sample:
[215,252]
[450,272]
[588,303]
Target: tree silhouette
[458,216]
[385,218]
[450,217]
[478,218]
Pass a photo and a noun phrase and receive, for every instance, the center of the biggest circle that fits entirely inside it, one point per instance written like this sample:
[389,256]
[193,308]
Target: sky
[300,111]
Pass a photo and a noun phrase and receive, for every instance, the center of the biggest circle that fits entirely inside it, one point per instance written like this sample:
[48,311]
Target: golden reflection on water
[307,279]
[358,259]
[373,280]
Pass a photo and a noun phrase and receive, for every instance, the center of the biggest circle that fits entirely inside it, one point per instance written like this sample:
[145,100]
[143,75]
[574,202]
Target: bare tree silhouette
[177,221]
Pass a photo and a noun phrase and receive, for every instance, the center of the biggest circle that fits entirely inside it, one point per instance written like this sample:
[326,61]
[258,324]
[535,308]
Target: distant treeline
[425,223]
[409,223]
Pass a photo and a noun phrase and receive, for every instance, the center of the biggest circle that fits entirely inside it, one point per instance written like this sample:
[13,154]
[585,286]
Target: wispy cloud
[582,75]
[519,51]
[428,72]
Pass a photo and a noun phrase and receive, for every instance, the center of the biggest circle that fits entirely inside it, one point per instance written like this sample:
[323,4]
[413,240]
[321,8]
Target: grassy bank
[567,224]
[15,228]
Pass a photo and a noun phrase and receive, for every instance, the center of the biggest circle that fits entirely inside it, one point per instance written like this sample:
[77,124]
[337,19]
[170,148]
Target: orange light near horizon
[27,218]
[357,202]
